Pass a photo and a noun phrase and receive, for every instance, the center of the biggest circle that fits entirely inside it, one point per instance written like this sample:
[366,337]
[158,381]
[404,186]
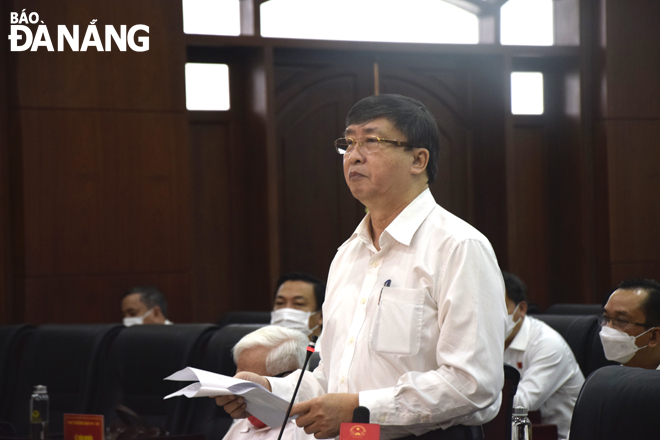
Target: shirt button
[363,300]
[341,380]
[382,419]
[350,341]
[374,264]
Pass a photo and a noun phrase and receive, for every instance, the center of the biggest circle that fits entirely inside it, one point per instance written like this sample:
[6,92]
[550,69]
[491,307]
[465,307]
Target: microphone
[310,350]
[361,415]
[360,428]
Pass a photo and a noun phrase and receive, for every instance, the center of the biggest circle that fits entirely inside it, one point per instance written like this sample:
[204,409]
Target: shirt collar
[521,340]
[404,226]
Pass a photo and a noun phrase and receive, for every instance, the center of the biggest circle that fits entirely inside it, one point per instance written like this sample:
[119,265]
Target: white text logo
[22,38]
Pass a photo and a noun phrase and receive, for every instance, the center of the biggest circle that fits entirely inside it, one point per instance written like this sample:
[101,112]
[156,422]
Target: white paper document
[261,403]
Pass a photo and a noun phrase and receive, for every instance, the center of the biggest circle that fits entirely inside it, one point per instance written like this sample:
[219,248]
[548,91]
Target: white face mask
[136,320]
[619,346]
[510,323]
[292,318]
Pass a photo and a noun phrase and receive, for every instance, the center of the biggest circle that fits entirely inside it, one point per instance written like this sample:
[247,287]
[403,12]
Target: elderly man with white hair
[270,351]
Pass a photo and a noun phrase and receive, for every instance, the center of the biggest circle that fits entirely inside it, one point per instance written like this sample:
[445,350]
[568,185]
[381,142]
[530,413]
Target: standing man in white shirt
[550,377]
[414,315]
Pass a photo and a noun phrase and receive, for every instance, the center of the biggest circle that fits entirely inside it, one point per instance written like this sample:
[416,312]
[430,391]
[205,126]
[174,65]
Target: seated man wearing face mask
[144,305]
[631,324]
[550,377]
[298,301]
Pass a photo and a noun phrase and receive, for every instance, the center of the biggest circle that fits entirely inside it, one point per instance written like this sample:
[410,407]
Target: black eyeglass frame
[603,320]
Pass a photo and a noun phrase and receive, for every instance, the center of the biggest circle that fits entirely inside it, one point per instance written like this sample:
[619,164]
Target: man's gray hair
[287,347]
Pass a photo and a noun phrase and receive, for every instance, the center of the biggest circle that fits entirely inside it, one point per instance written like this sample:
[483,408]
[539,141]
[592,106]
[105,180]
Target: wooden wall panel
[567,205]
[634,185]
[313,188]
[624,271]
[105,192]
[92,299]
[230,151]
[601,217]
[100,195]
[529,233]
[489,109]
[112,80]
[212,220]
[7,303]
[318,212]
[553,250]
[443,85]
[628,138]
[633,58]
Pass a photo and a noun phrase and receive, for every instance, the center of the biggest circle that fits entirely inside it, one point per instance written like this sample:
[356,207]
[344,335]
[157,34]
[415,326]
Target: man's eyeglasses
[369,143]
[617,323]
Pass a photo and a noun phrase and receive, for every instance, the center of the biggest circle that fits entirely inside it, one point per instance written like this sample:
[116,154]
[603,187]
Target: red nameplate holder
[83,427]
[359,431]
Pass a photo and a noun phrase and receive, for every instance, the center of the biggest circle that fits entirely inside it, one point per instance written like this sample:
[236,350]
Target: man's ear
[320,312]
[654,341]
[158,313]
[522,308]
[420,160]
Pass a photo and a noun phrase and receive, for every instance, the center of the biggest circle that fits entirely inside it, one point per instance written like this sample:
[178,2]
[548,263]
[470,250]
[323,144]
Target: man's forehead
[133,299]
[133,303]
[296,288]
[626,301]
[375,126]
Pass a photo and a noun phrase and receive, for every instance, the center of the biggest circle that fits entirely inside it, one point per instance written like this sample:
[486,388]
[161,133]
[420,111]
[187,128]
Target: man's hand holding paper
[236,405]
[255,398]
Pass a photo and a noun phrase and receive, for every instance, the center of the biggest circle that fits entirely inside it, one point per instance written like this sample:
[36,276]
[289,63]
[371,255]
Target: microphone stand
[310,350]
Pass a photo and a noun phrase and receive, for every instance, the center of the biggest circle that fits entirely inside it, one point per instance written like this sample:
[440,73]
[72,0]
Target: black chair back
[12,340]
[500,427]
[618,403]
[139,359]
[67,359]
[249,317]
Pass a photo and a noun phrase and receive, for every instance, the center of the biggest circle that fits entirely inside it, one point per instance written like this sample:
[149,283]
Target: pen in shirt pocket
[387,284]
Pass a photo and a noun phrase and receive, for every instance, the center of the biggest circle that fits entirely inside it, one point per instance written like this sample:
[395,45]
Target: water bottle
[39,413]
[521,427]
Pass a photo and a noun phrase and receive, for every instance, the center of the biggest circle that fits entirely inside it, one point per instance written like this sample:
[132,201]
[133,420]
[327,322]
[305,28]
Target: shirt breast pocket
[397,328]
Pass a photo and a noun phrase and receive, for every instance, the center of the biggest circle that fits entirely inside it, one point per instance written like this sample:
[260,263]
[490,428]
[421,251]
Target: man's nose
[355,155]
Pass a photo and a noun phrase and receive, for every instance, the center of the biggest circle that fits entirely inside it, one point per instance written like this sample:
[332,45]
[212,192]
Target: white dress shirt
[550,378]
[242,429]
[424,352]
